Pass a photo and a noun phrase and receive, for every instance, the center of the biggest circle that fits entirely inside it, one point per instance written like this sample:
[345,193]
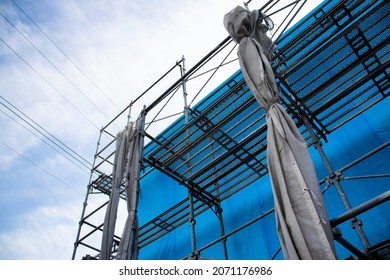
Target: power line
[41,168]
[54,66]
[47,82]
[42,140]
[71,61]
[58,142]
[40,127]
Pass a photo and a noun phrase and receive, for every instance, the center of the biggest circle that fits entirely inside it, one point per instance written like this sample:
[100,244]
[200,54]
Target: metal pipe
[97,209]
[276,253]
[105,147]
[222,230]
[105,160]
[192,224]
[357,161]
[361,208]
[366,177]
[198,118]
[365,156]
[215,128]
[113,136]
[193,69]
[281,9]
[219,209]
[179,221]
[191,220]
[336,183]
[236,230]
[350,247]
[288,24]
[129,113]
[91,232]
[90,247]
[264,6]
[85,203]
[142,94]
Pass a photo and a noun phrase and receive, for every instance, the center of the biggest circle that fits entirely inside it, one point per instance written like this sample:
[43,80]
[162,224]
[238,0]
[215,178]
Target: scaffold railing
[330,68]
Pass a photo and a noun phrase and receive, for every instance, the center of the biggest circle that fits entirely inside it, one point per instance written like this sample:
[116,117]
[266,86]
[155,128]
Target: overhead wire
[88,170]
[41,168]
[54,66]
[37,127]
[49,84]
[67,57]
[80,167]
[48,144]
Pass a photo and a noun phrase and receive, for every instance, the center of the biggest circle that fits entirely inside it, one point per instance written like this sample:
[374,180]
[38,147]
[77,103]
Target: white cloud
[45,233]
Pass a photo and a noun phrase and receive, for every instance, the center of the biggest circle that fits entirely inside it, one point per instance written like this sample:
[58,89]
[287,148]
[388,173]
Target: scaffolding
[330,67]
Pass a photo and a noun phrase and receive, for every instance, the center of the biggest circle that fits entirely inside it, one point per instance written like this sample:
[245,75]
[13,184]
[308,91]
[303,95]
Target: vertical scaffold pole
[129,113]
[85,203]
[219,210]
[356,223]
[192,220]
[222,231]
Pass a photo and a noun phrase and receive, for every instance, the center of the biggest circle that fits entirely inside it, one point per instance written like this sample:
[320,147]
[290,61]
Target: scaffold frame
[217,147]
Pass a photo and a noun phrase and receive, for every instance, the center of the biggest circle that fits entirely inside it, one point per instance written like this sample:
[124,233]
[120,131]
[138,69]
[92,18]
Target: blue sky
[122,47]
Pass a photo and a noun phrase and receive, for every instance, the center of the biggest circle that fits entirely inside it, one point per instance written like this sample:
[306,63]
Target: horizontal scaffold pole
[187,74]
[361,208]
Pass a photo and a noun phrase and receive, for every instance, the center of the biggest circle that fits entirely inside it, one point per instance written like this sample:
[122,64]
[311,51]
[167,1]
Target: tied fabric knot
[242,24]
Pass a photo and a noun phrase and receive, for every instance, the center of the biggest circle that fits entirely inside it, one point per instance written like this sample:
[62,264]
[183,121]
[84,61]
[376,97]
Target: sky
[66,69]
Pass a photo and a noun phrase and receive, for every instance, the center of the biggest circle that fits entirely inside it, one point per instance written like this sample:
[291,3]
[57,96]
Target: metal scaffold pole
[192,220]
[219,210]
[85,203]
[334,179]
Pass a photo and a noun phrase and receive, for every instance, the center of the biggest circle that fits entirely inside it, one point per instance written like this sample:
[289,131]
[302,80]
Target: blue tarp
[259,241]
[346,142]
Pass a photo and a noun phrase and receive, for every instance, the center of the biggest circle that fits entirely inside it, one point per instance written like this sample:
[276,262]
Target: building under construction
[200,188]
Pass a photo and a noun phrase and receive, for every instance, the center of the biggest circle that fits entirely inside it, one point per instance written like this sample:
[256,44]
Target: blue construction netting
[333,68]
